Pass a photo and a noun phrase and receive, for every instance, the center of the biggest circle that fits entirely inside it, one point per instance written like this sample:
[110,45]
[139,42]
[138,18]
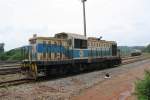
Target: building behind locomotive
[125,51]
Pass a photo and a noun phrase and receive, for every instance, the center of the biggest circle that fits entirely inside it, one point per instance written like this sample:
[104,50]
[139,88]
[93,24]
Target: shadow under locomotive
[69,72]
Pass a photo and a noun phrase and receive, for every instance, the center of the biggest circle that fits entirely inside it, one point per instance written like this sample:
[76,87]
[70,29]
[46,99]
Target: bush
[147,49]
[143,87]
[14,54]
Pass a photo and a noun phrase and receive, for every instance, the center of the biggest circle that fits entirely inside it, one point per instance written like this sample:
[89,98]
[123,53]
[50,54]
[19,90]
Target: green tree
[14,54]
[147,49]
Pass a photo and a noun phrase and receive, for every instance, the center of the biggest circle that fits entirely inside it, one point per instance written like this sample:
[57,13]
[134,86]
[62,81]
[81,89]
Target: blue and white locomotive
[67,52]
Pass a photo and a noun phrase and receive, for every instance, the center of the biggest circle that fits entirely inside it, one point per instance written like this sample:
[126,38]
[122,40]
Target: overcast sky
[125,21]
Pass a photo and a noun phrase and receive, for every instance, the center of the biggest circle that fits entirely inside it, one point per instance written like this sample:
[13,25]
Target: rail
[10,68]
[15,82]
[135,59]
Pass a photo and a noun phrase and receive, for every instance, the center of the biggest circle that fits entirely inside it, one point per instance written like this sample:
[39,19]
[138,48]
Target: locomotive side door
[80,48]
[114,50]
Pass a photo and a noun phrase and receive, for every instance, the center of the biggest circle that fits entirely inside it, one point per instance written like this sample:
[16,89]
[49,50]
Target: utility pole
[84,17]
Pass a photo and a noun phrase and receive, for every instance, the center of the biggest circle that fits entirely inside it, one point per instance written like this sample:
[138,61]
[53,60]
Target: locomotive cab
[77,45]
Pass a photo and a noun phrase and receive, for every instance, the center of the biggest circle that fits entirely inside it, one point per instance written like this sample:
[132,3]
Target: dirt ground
[120,87]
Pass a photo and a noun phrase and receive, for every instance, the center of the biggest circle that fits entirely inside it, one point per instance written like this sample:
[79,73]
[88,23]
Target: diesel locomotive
[68,52]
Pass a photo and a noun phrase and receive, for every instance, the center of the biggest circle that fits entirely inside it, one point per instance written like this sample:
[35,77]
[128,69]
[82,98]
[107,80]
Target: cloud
[126,21]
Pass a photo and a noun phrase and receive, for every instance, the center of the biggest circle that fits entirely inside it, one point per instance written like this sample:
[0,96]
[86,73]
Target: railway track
[9,62]
[9,65]
[13,70]
[133,59]
[10,68]
[13,67]
[15,82]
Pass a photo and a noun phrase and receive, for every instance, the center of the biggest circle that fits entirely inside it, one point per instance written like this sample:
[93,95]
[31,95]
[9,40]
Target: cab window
[80,44]
[33,41]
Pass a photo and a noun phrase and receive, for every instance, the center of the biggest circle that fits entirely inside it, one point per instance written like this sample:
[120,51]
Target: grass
[143,87]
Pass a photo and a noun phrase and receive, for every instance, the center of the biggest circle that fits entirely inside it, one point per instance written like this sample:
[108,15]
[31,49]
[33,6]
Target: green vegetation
[14,54]
[147,49]
[143,87]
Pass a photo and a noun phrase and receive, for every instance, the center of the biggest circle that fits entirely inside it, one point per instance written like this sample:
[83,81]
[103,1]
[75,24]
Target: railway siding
[65,88]
[15,67]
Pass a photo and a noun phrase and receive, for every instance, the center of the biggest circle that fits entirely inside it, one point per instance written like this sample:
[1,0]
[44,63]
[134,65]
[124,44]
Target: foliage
[147,49]
[14,54]
[143,87]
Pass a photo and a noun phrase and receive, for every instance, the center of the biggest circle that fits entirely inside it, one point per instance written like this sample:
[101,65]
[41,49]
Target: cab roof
[65,35]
